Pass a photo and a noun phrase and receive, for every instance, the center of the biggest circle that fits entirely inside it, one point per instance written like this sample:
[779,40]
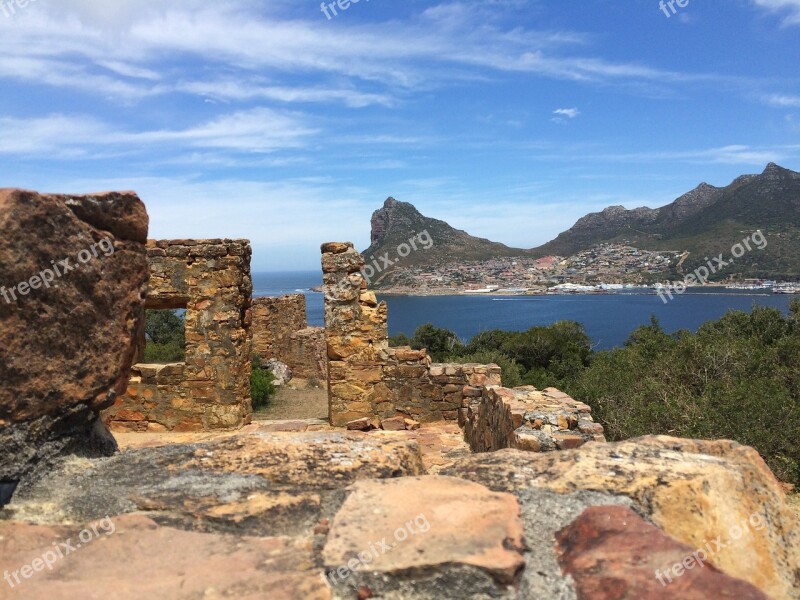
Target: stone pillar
[356,336]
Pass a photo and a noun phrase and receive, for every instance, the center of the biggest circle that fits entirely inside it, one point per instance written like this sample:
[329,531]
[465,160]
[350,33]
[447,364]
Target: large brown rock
[612,553]
[74,274]
[695,491]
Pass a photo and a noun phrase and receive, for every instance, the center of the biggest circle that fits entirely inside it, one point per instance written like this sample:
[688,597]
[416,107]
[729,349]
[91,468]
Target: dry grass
[297,400]
[794,502]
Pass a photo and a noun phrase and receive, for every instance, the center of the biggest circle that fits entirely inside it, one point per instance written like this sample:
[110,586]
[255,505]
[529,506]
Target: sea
[609,319]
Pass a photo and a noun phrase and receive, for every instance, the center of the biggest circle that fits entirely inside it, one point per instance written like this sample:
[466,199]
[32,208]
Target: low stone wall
[281,331]
[211,388]
[306,354]
[528,419]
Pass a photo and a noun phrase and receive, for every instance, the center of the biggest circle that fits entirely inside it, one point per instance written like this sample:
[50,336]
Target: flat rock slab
[695,491]
[613,554]
[423,523]
[131,557]
[271,483]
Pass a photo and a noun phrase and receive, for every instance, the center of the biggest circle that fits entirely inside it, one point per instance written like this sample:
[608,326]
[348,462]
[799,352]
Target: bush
[439,342]
[736,378]
[261,386]
[512,373]
[165,335]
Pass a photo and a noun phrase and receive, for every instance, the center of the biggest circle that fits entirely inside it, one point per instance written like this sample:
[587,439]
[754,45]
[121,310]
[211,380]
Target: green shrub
[165,337]
[163,353]
[261,386]
[736,378]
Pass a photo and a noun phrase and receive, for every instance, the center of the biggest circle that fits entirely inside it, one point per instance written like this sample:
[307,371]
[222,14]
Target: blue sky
[510,119]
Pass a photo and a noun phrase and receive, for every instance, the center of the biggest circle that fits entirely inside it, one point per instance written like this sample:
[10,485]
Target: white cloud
[569,113]
[119,47]
[257,130]
[782,101]
[789,8]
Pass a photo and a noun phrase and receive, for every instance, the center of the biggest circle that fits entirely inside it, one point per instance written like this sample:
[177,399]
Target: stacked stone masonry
[211,388]
[281,331]
[369,380]
[528,419]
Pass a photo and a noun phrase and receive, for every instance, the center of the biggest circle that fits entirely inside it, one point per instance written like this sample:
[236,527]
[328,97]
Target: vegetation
[261,387]
[165,334]
[540,356]
[736,378]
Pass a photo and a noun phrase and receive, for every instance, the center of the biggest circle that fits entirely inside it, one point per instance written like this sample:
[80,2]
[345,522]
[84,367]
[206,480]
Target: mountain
[397,222]
[706,221]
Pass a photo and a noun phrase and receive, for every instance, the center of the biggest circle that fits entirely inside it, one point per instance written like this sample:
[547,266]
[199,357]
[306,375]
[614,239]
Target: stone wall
[369,380]
[528,419]
[211,388]
[280,331]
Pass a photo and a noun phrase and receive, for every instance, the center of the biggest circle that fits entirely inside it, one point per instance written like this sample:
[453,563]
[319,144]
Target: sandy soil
[297,400]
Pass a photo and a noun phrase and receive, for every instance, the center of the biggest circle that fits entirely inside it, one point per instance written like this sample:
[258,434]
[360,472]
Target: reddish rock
[73,271]
[443,522]
[568,441]
[362,424]
[612,553]
[394,424]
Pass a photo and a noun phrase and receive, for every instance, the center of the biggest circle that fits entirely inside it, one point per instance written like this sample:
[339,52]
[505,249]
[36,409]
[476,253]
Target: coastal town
[602,268]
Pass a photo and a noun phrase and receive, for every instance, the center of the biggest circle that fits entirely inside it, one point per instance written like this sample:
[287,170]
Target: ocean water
[608,318]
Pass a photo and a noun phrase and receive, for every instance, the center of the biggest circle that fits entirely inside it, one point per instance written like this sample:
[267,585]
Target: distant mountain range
[704,222]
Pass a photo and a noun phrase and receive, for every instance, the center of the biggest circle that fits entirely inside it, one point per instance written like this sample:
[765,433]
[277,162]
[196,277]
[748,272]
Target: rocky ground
[280,510]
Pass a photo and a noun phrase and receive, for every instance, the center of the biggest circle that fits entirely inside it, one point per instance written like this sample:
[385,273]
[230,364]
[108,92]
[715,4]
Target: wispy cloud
[790,9]
[257,130]
[783,101]
[565,113]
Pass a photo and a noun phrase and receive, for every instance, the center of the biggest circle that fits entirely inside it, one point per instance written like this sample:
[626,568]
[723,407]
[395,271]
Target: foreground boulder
[73,275]
[611,552]
[719,496]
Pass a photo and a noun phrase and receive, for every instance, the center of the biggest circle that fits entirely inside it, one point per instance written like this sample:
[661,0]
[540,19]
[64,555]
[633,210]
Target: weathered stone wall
[211,389]
[528,419]
[280,331]
[307,355]
[369,380]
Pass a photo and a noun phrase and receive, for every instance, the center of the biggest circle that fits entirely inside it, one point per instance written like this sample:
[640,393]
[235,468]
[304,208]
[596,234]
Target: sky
[288,123]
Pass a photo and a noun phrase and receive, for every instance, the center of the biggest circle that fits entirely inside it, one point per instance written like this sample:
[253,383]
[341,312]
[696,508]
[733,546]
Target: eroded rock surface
[73,272]
[695,491]
[268,484]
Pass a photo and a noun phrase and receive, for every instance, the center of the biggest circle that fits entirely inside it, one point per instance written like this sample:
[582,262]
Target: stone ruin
[372,385]
[293,515]
[281,332]
[210,389]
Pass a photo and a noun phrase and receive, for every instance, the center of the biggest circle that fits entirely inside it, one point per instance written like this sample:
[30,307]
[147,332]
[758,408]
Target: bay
[609,319]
